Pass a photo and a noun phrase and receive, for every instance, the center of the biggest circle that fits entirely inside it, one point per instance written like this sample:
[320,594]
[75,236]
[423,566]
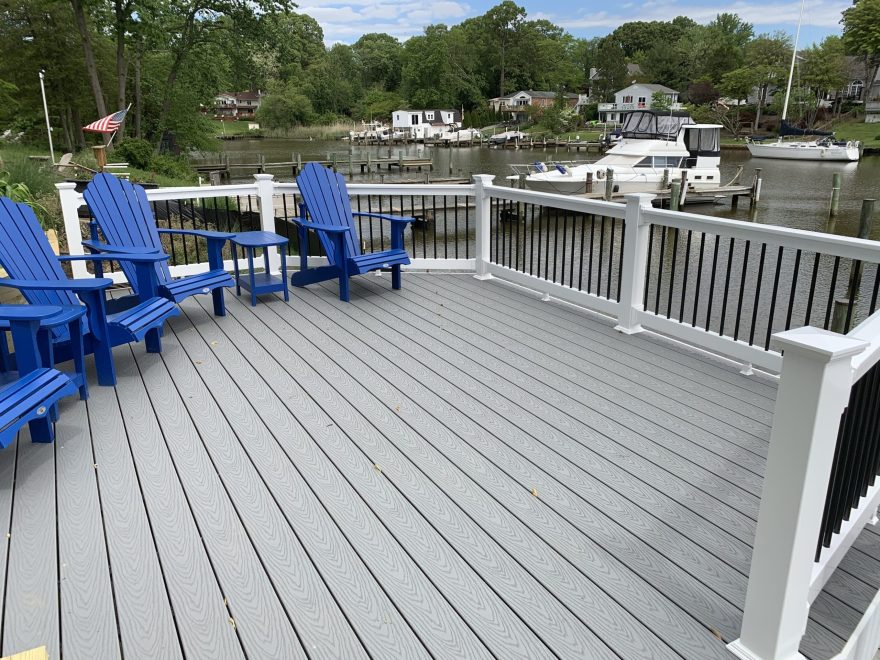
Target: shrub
[138,153]
[171,166]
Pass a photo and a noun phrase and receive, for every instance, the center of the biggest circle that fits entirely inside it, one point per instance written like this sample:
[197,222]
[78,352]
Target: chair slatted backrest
[26,254]
[326,198]
[124,215]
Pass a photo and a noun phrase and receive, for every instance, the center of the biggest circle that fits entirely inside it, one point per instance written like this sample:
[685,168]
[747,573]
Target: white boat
[507,136]
[454,133]
[653,144]
[370,132]
[825,148]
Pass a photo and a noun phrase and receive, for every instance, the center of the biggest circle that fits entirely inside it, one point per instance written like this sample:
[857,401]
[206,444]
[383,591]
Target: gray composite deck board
[30,616]
[349,586]
[88,612]
[487,610]
[711,433]
[203,620]
[364,504]
[147,627]
[444,449]
[457,469]
[612,368]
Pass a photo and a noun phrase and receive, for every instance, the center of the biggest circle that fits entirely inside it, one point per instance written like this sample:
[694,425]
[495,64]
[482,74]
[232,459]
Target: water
[794,194]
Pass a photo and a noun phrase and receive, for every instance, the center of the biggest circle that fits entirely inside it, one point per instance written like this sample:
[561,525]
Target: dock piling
[842,311]
[609,183]
[835,193]
[675,195]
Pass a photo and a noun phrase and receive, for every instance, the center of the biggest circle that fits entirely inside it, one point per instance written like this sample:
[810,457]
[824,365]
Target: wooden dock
[224,168]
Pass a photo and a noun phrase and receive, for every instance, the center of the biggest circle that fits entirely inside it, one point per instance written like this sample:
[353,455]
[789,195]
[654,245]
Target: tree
[285,106]
[861,36]
[660,101]
[765,69]
[379,58]
[503,22]
[823,71]
[610,69]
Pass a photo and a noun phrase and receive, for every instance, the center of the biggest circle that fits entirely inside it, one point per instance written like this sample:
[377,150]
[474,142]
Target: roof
[248,96]
[542,95]
[651,86]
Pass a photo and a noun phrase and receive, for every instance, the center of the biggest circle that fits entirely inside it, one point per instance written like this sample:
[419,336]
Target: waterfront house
[517,106]
[637,96]
[231,106]
[424,124]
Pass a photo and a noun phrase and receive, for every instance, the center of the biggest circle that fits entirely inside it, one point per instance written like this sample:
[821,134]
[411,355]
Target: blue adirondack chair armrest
[85,284]
[144,256]
[203,233]
[330,229]
[28,312]
[98,246]
[383,216]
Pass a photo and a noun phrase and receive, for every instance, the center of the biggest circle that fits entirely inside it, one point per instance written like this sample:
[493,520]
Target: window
[429,116]
[414,119]
[644,162]
[642,102]
[855,89]
[627,99]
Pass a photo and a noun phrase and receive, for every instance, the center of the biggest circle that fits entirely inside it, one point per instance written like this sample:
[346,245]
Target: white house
[637,96]
[421,124]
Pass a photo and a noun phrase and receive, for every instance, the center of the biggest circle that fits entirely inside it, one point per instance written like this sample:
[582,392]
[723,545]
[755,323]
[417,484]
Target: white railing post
[814,388]
[265,194]
[70,203]
[635,253]
[484,221]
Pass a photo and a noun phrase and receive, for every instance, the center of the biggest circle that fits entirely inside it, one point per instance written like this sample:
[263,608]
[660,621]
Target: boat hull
[562,184]
[804,151]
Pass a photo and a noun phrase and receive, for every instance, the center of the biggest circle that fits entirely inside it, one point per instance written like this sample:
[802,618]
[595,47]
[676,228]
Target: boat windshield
[654,125]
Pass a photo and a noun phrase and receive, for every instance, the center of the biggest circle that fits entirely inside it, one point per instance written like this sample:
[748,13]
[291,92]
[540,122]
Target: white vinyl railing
[817,371]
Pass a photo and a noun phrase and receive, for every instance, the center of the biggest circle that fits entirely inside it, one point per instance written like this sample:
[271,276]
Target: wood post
[841,305]
[756,190]
[675,195]
[589,182]
[835,193]
[813,390]
[609,183]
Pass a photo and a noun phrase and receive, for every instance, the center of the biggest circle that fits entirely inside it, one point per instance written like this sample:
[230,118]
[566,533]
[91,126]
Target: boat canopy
[703,140]
[654,124]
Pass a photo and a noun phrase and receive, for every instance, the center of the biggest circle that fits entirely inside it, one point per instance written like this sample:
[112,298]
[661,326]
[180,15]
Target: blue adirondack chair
[126,220]
[34,270]
[326,202]
[32,398]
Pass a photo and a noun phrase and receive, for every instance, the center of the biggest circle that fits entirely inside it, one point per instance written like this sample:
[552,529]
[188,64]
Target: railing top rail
[200,192]
[801,239]
[567,202]
[868,331]
[396,189]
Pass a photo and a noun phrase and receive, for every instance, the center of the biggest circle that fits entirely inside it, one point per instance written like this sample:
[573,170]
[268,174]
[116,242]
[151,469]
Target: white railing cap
[823,344]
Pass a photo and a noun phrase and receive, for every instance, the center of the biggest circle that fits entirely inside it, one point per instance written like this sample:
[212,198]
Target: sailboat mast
[797,37]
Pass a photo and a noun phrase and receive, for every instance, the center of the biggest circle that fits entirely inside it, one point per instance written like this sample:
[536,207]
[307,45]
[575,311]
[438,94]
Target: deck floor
[453,470]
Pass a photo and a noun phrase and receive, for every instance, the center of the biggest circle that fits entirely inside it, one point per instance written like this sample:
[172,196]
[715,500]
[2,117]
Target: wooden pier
[224,168]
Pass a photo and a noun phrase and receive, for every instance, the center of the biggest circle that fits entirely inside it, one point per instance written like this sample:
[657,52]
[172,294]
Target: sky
[346,20]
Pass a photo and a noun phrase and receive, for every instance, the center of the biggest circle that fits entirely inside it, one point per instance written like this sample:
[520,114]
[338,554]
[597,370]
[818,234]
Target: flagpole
[110,141]
[46,112]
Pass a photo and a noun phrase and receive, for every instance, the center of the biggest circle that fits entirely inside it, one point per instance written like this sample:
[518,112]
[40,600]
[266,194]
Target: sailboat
[823,148]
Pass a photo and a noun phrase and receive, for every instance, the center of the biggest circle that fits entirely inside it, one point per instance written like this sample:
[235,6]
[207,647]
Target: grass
[318,132]
[857,129]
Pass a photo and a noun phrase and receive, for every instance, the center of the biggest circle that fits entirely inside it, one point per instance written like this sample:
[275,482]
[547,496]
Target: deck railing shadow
[762,296]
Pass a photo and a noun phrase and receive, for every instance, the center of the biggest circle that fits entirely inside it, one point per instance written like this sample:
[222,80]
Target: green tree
[379,56]
[660,101]
[861,36]
[285,106]
[823,71]
[610,69]
[503,22]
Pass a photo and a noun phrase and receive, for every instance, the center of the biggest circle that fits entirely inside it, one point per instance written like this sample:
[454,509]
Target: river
[795,194]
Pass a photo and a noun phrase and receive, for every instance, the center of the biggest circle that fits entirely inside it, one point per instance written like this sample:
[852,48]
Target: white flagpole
[109,142]
[46,112]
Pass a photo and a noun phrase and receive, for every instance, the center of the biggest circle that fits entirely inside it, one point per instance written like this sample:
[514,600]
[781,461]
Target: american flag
[109,124]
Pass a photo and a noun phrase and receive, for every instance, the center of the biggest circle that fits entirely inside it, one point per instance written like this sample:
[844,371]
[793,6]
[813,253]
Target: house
[422,124]
[230,106]
[637,96]
[633,73]
[516,105]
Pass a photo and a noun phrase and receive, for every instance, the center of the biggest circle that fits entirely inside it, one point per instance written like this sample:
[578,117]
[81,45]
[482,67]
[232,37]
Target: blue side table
[264,282]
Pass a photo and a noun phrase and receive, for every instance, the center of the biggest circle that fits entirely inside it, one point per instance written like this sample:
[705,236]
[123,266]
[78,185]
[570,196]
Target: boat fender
[600,174]
[540,167]
[561,169]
